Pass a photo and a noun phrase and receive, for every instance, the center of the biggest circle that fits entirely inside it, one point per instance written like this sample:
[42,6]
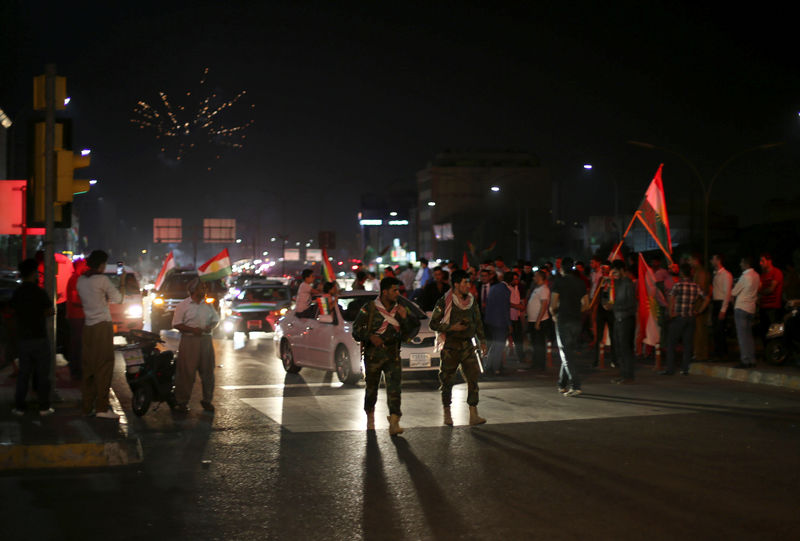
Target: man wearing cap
[195,319]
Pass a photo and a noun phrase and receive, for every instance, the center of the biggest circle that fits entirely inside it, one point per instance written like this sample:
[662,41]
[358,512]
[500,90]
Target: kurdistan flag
[648,294]
[169,264]
[653,214]
[215,268]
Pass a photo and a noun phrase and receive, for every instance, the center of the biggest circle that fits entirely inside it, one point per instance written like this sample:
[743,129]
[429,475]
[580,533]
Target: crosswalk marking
[334,413]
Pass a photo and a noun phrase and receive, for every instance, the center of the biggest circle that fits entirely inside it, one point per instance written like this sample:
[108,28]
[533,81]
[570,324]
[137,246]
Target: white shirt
[96,291]
[721,287]
[538,296]
[746,291]
[407,277]
[195,314]
[303,297]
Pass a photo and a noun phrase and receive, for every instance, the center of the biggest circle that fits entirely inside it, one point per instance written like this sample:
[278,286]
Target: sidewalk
[65,439]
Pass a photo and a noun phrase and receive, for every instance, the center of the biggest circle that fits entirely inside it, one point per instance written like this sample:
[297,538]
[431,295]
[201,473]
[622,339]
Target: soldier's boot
[474,418]
[394,425]
[370,420]
[448,419]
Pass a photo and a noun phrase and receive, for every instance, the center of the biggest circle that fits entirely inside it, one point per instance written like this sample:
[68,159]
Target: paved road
[285,457]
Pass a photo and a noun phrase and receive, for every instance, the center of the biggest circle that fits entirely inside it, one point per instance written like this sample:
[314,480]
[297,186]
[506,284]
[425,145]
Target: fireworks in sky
[196,121]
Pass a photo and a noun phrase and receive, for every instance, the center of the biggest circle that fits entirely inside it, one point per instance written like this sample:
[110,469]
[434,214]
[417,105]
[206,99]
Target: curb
[745,375]
[121,450]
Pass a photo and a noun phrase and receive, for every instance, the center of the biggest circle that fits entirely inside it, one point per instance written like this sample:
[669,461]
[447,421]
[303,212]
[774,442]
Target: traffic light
[40,93]
[66,183]
[36,189]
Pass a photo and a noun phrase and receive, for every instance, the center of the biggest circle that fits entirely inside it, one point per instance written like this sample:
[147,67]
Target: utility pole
[49,208]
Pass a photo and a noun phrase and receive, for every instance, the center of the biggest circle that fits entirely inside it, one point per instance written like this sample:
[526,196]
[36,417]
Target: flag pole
[652,234]
[622,240]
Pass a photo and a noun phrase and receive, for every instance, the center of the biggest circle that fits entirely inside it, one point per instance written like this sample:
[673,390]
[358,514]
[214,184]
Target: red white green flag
[649,331]
[215,268]
[653,214]
[169,264]
[327,268]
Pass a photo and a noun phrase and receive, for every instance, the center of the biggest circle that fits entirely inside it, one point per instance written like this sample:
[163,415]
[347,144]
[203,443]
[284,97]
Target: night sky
[355,97]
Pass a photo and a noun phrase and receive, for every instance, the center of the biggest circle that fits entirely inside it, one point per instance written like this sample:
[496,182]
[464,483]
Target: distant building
[499,202]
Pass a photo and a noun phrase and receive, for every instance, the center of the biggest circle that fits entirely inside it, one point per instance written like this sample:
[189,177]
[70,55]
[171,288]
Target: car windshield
[131,284]
[176,286]
[264,294]
[351,305]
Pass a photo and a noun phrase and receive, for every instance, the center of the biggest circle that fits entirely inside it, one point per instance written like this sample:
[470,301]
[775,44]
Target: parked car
[173,291]
[325,341]
[257,307]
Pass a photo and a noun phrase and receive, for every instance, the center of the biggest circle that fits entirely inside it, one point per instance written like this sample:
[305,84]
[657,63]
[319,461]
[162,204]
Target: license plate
[254,324]
[132,356]
[419,360]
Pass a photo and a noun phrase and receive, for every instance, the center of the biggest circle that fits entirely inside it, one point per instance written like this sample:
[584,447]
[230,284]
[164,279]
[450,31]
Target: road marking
[332,384]
[334,413]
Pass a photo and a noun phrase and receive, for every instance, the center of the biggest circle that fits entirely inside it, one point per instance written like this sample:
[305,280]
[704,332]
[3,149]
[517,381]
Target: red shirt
[772,300]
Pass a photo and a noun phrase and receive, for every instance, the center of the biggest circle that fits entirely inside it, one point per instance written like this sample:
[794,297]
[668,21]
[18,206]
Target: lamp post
[706,188]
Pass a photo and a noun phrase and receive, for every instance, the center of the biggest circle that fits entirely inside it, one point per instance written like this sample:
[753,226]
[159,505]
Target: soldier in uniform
[457,319]
[381,326]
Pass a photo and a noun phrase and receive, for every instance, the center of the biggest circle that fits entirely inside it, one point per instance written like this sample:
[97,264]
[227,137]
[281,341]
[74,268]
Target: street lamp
[706,188]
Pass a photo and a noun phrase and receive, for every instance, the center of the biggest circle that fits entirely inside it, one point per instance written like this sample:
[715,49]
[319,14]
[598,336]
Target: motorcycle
[150,371]
[783,339]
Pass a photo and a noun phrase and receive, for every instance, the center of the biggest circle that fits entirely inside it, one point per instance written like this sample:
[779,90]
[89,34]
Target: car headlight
[209,300]
[776,329]
[158,301]
[228,326]
[134,310]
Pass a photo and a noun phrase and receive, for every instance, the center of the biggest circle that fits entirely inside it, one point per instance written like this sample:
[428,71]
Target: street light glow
[86,152]
[587,166]
[93,182]
[495,188]
[431,203]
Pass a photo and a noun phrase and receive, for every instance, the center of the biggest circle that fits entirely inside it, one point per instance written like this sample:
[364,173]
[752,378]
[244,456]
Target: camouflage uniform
[384,359]
[458,349]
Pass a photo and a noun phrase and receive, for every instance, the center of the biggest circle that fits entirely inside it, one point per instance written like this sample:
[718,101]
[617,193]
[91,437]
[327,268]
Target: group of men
[89,293]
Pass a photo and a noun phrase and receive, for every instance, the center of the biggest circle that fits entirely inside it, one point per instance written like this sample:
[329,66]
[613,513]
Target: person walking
[497,325]
[31,308]
[381,326]
[720,300]
[744,310]
[540,326]
[624,311]
[457,320]
[565,307]
[683,309]
[97,347]
[195,319]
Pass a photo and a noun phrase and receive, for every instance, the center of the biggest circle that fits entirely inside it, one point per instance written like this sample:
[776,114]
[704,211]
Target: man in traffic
[97,348]
[304,292]
[457,319]
[381,326]
[195,319]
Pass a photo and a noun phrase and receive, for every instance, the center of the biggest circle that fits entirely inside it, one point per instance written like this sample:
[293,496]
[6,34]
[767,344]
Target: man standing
[565,306]
[744,310]
[423,274]
[381,326]
[720,299]
[517,329]
[75,317]
[771,294]
[703,281]
[498,325]
[434,290]
[624,311]
[195,319]
[407,277]
[457,320]
[97,348]
[31,308]
[682,299]
[540,326]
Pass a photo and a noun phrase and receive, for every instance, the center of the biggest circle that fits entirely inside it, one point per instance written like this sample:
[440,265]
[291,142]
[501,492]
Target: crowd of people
[522,312]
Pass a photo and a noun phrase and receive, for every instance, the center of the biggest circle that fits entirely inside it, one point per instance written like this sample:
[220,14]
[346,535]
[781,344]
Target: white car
[326,342]
[129,314]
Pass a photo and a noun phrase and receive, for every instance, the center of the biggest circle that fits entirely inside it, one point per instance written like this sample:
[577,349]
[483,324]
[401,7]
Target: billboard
[12,203]
[313,254]
[219,230]
[291,254]
[167,230]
